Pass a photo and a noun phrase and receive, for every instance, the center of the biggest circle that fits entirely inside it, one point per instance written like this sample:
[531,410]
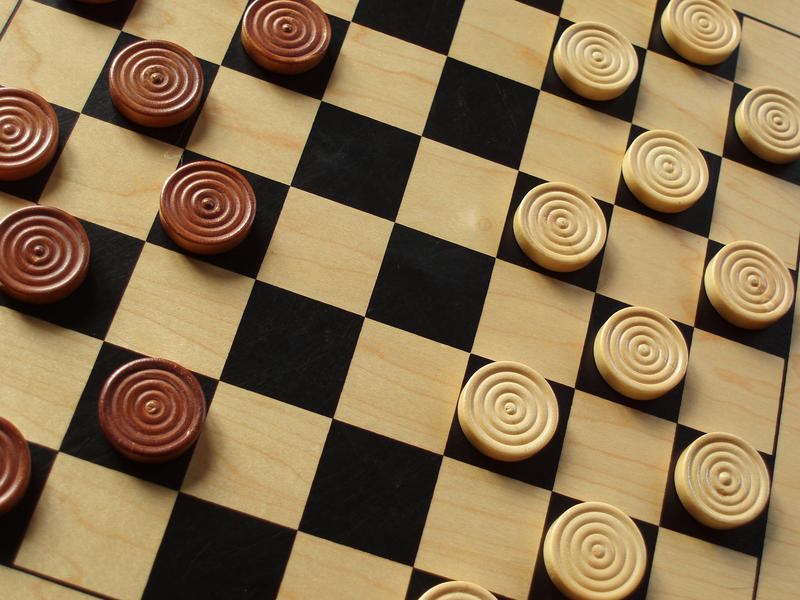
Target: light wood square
[254,125]
[45,369]
[536,320]
[734,388]
[56,54]
[97,528]
[484,528]
[457,196]
[318,568]
[257,455]
[615,454]
[783,13]
[691,569]
[9,204]
[751,205]
[95,181]
[676,96]
[652,264]
[326,250]
[768,56]
[505,37]
[632,18]
[204,28]
[343,9]
[572,143]
[6,8]
[181,309]
[402,386]
[29,587]
[385,78]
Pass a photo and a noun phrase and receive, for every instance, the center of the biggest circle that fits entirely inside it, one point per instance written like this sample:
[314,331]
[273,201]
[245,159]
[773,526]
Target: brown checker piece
[380,273]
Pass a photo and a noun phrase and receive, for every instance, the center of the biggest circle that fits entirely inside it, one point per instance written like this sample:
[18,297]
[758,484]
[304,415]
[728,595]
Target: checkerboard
[380,273]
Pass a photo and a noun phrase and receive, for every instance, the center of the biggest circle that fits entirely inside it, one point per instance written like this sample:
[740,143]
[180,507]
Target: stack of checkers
[368,309]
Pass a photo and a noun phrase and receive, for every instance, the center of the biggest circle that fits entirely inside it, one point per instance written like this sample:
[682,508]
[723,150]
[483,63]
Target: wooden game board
[380,273]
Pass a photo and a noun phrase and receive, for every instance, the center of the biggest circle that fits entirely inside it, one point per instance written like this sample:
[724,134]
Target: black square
[543,587]
[212,552]
[311,83]
[357,161]
[91,308]
[246,258]
[696,218]
[540,469]
[14,523]
[775,339]
[735,149]
[100,106]
[510,251]
[422,581]
[589,379]
[371,492]
[429,23]
[621,107]
[113,14]
[481,113]
[31,188]
[551,6]
[748,538]
[85,438]
[292,348]
[431,287]
[726,69]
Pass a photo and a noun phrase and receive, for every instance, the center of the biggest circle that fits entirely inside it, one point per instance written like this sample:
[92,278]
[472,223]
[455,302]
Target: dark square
[748,538]
[482,113]
[113,14]
[510,251]
[543,587]
[540,469]
[775,339]
[212,552]
[735,149]
[14,523]
[311,83]
[85,438]
[431,287]
[371,492]
[429,23]
[31,188]
[726,69]
[91,308]
[696,218]
[100,106]
[551,6]
[292,348]
[621,107]
[246,258]
[422,581]
[357,161]
[589,379]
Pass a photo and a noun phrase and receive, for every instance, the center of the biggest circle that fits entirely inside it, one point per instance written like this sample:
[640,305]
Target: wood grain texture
[632,18]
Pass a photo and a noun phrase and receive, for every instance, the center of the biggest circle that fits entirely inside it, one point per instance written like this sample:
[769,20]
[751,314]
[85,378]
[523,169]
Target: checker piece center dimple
[768,123]
[15,466]
[705,32]
[28,133]
[457,590]
[151,409]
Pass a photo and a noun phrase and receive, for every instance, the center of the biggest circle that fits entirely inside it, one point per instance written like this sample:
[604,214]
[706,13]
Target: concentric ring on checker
[640,353]
[44,254]
[768,123]
[28,133]
[151,409]
[705,32]
[155,83]
[15,466]
[665,171]
[508,411]
[285,36]
[595,61]
[748,284]
[594,551]
[457,590]
[559,226]
[207,207]
[722,481]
